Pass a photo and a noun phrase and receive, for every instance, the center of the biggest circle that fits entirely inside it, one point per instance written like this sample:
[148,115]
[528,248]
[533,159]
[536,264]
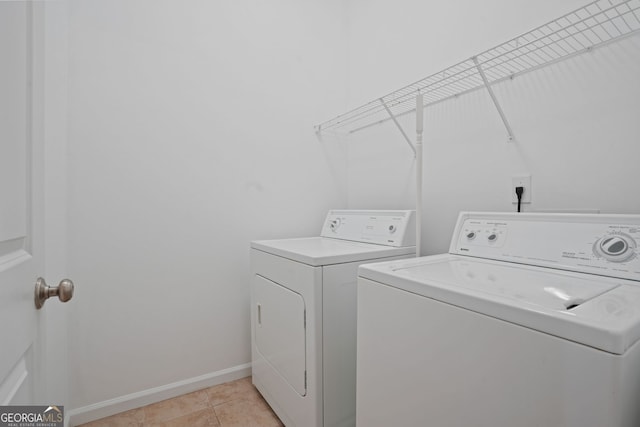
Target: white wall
[575,122]
[190,134]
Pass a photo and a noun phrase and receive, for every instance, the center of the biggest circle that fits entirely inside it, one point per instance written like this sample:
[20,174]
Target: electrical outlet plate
[521,181]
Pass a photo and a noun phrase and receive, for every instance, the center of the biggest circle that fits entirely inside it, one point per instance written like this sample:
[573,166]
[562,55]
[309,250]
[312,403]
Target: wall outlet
[521,181]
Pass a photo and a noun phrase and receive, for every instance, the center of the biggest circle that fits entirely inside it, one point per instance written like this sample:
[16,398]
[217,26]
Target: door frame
[49,124]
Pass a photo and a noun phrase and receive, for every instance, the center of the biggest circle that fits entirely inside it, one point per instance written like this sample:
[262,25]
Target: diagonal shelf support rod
[419,170]
[404,134]
[493,98]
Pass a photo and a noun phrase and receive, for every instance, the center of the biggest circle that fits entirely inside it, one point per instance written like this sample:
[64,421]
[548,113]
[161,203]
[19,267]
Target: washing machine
[303,314]
[529,320]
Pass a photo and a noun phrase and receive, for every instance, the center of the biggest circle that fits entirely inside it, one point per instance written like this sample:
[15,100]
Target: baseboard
[109,407]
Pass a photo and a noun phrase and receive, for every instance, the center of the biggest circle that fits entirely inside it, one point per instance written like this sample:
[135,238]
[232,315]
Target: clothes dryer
[529,320]
[303,314]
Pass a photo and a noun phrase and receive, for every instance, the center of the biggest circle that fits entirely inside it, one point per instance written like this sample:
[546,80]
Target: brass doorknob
[64,291]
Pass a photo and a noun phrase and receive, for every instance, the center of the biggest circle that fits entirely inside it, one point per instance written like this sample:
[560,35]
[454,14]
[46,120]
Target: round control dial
[392,229]
[615,247]
[471,235]
[492,237]
[334,224]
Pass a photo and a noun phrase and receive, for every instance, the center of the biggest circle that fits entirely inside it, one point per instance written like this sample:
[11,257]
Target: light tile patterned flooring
[233,404]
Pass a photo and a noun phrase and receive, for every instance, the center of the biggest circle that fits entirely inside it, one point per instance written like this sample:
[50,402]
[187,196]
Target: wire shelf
[593,25]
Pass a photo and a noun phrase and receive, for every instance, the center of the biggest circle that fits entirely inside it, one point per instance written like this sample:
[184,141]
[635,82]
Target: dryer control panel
[386,227]
[608,245]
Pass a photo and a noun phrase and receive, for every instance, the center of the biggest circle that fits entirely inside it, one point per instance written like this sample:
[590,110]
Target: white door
[21,205]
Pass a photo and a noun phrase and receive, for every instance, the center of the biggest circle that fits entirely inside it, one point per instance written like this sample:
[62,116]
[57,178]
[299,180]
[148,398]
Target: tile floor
[233,404]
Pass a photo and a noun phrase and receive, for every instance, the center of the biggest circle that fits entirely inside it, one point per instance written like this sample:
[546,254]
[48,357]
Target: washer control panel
[389,228]
[608,245]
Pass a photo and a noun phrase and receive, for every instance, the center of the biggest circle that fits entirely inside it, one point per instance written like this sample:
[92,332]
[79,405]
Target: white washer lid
[318,251]
[597,311]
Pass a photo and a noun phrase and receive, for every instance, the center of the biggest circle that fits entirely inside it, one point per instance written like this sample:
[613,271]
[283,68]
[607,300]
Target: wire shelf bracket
[597,24]
[395,121]
[493,98]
